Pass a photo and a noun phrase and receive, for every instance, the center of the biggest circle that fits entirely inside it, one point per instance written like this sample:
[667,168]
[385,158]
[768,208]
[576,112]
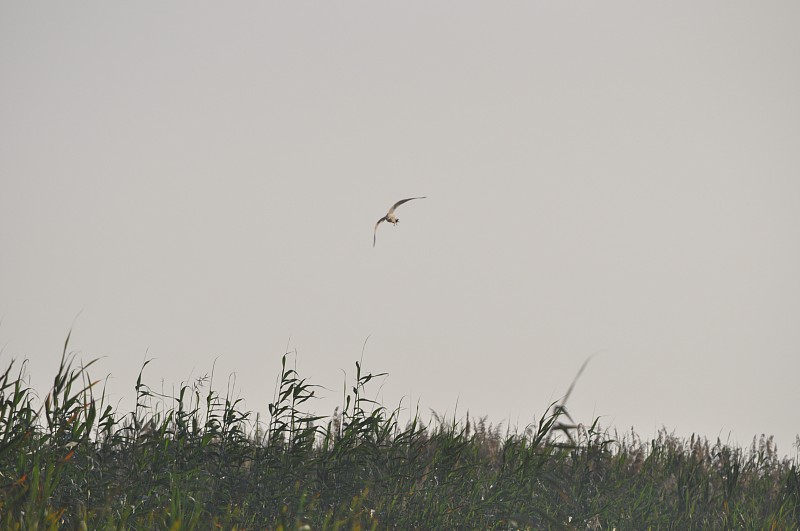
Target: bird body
[390,217]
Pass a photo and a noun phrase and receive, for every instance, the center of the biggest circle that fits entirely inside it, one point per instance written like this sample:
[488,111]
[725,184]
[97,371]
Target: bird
[390,217]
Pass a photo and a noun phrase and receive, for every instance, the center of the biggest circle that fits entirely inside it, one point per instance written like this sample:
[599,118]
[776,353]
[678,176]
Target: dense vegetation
[196,461]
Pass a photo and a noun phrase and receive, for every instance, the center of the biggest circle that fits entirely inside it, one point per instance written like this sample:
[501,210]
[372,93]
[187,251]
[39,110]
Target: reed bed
[197,461]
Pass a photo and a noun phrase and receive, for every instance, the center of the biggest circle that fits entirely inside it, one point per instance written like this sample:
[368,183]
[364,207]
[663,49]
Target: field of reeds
[197,461]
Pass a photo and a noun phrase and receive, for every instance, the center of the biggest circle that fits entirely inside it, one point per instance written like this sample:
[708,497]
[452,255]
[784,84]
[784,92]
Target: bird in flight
[390,217]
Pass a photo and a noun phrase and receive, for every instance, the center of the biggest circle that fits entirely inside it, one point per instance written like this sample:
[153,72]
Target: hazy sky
[200,181]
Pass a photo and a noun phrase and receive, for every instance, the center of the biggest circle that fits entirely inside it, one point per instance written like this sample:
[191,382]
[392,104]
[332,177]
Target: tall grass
[197,461]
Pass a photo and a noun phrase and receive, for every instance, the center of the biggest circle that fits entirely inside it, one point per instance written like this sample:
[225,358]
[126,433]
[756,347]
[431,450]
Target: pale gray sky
[200,180]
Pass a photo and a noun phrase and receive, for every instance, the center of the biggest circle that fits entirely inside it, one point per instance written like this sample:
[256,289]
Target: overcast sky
[191,181]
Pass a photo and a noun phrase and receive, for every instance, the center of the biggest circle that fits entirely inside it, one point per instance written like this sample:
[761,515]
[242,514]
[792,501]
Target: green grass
[197,461]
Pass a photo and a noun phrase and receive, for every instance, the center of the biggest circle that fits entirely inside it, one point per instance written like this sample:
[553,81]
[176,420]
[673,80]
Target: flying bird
[390,217]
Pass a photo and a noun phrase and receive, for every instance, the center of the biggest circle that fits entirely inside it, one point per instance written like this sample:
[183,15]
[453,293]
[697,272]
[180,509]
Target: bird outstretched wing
[375,232]
[401,202]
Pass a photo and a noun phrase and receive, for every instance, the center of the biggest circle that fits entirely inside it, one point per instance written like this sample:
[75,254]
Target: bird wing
[375,232]
[401,202]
